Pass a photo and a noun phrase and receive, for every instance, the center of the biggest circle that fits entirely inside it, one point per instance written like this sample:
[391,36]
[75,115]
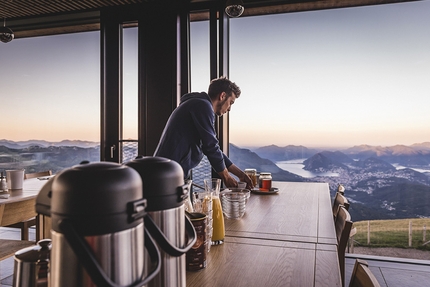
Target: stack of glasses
[234,201]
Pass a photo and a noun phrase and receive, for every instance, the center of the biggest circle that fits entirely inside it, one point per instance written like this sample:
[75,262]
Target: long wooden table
[20,206]
[284,239]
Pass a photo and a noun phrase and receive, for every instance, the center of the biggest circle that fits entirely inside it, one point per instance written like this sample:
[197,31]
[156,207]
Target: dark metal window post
[219,65]
[163,70]
[111,85]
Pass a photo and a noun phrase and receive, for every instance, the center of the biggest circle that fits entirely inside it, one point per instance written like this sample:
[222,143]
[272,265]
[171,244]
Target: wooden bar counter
[284,239]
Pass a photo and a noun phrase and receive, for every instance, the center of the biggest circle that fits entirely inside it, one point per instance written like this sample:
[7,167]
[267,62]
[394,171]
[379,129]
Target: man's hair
[222,84]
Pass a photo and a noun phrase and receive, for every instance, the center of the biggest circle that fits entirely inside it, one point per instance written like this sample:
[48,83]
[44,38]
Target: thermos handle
[165,243]
[86,257]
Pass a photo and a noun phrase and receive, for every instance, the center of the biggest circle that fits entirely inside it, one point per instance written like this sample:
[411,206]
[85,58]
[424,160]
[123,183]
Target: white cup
[15,179]
[241,185]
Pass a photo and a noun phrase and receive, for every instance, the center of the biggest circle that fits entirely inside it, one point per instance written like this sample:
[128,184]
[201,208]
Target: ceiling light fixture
[6,34]
[234,8]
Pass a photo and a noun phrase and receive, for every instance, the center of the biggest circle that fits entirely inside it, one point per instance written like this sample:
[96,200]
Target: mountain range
[43,143]
[416,154]
[374,186]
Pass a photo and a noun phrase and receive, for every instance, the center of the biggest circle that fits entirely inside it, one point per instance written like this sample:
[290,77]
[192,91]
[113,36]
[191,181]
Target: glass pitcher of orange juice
[218,234]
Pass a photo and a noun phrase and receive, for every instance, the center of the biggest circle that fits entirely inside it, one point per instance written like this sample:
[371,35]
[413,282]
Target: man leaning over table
[190,132]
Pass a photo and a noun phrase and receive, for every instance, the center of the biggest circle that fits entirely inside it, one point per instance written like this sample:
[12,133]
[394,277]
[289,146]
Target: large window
[339,96]
[50,102]
[332,78]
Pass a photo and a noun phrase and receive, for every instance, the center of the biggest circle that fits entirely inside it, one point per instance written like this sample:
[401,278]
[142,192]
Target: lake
[296,166]
[422,170]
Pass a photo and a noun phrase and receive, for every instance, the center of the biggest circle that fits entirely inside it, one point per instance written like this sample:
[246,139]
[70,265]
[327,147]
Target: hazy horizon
[240,146]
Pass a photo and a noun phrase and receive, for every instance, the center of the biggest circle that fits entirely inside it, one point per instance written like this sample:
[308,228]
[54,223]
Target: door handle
[112,151]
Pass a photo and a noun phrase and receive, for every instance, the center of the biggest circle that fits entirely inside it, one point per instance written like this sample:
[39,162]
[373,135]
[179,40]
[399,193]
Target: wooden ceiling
[46,17]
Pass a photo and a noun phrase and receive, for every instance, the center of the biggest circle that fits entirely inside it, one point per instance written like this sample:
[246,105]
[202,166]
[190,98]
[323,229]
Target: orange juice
[218,220]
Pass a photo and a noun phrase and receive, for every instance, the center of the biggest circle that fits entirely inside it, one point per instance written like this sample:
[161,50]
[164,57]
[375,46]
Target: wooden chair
[362,276]
[37,174]
[341,189]
[339,199]
[9,247]
[25,225]
[343,225]
[351,239]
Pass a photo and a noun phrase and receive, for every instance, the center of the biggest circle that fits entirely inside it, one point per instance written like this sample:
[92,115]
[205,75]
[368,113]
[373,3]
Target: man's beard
[220,105]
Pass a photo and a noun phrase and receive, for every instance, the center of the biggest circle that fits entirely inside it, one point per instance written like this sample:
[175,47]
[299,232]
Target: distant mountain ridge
[289,152]
[413,155]
[417,154]
[43,143]
[375,188]
[245,158]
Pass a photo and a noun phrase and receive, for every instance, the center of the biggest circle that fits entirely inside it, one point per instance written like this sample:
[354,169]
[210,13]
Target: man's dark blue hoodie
[190,133]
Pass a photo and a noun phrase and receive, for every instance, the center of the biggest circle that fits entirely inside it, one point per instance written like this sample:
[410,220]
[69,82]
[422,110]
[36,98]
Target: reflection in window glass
[129,143]
[200,61]
[200,78]
[130,84]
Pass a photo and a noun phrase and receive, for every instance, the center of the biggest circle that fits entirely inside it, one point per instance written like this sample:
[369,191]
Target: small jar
[252,173]
[265,181]
[3,183]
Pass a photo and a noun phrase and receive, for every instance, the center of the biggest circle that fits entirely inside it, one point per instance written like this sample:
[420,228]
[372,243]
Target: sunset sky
[338,77]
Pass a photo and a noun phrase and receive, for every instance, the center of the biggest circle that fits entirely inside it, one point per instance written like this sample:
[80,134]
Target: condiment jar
[265,181]
[3,183]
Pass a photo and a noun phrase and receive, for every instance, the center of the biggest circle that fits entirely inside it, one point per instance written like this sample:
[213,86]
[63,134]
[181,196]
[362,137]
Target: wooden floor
[6,265]
[390,272]
[393,272]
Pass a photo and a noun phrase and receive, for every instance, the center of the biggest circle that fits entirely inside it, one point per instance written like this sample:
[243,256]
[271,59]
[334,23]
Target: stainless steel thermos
[165,192]
[98,233]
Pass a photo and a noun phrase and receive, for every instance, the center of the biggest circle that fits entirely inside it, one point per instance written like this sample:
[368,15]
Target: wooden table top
[284,239]
[20,205]
[30,189]
[298,212]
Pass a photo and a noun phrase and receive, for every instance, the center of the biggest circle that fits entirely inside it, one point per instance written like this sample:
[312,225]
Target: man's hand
[248,180]
[241,175]
[228,180]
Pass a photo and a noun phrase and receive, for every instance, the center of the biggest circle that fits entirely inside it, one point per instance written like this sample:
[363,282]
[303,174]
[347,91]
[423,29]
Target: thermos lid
[163,182]
[33,254]
[96,197]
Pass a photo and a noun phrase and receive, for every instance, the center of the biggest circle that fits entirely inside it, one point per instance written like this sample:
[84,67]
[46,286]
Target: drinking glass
[213,185]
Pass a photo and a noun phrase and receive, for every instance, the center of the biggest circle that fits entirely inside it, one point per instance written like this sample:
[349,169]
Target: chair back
[341,189]
[38,174]
[339,199]
[362,276]
[343,225]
